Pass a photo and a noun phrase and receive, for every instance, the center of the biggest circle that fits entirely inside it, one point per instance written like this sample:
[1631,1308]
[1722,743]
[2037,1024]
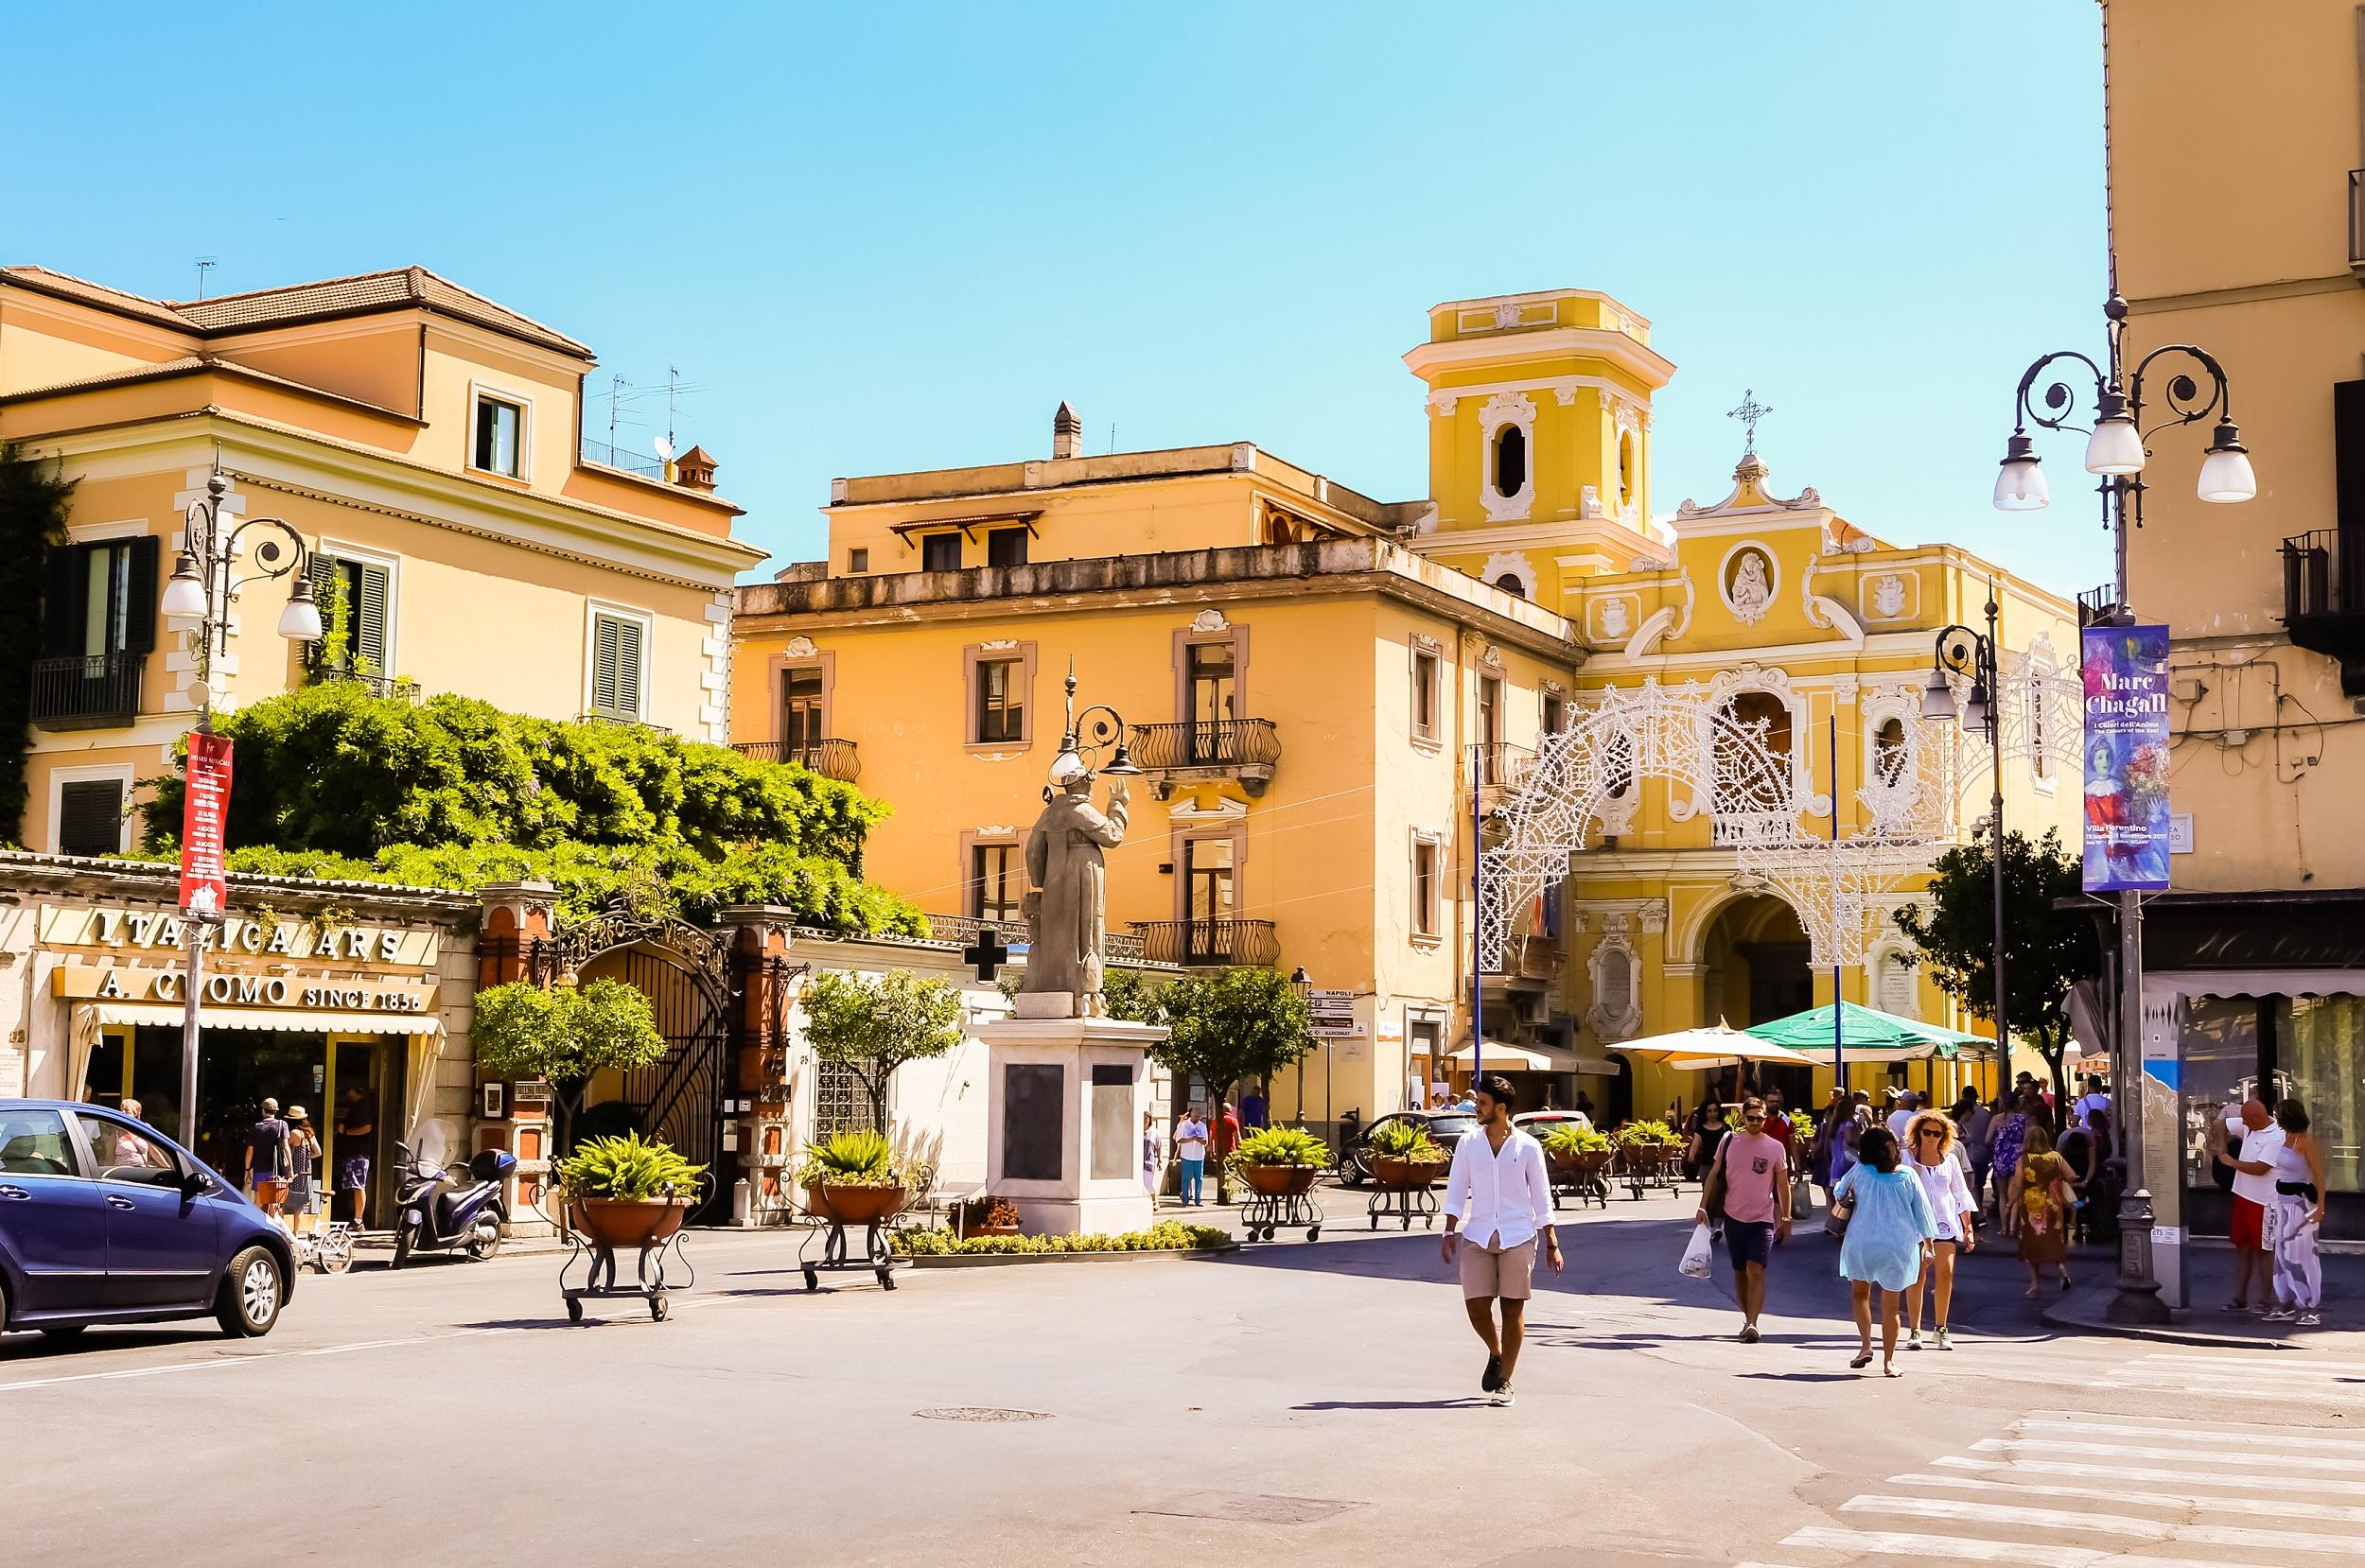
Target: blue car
[105,1220]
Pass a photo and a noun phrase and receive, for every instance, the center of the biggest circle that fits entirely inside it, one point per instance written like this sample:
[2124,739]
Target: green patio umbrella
[1866,1033]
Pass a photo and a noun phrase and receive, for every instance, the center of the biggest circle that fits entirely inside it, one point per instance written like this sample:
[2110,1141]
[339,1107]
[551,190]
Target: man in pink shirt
[1752,1172]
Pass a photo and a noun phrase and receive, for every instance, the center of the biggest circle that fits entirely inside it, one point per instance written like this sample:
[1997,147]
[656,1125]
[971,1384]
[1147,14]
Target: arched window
[1619,766]
[1741,781]
[1889,754]
[1510,584]
[1511,461]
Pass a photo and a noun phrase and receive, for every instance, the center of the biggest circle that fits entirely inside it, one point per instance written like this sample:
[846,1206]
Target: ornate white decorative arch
[1506,407]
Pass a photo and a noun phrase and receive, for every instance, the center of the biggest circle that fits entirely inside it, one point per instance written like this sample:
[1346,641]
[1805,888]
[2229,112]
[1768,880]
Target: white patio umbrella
[1711,1046]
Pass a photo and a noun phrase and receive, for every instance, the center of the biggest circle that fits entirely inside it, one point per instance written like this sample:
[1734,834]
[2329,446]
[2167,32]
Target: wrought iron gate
[683,971]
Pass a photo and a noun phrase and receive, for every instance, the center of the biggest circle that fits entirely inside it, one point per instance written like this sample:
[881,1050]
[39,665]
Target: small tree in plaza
[1231,1024]
[2047,947]
[563,1035]
[871,1027]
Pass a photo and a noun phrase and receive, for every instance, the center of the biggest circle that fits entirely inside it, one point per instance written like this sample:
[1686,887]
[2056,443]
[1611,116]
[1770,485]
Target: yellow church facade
[1317,684]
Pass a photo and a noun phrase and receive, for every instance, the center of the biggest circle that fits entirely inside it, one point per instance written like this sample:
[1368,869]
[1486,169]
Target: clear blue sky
[895,237]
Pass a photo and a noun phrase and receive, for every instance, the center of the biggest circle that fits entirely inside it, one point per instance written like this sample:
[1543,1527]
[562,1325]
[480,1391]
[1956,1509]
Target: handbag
[1843,1205]
[1712,1191]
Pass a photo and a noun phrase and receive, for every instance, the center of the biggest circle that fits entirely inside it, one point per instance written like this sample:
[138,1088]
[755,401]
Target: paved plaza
[1317,1401]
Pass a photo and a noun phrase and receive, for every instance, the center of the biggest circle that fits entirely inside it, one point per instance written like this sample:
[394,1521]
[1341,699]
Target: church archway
[1753,968]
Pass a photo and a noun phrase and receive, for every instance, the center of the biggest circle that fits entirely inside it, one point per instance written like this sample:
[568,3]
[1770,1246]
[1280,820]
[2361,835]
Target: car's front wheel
[252,1288]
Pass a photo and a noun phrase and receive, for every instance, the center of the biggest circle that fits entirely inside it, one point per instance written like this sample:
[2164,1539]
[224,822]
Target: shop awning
[1521,1058]
[286,1021]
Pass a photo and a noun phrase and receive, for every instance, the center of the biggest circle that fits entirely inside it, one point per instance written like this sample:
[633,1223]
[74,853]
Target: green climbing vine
[33,504]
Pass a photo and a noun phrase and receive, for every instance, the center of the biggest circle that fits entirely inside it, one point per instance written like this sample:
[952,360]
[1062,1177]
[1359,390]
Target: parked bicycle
[328,1249]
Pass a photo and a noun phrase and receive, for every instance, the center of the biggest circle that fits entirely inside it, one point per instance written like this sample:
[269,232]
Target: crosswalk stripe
[2124,1526]
[1908,1544]
[2282,1371]
[2272,1507]
[2133,1450]
[2235,1390]
[2143,1473]
[2199,1435]
[2299,1358]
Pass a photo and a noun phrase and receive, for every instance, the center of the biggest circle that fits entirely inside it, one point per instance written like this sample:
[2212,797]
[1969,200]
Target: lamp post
[2116,447]
[197,596]
[1961,651]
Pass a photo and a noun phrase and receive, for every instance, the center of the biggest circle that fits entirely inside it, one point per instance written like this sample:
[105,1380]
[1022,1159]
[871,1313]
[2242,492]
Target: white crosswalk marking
[2066,1489]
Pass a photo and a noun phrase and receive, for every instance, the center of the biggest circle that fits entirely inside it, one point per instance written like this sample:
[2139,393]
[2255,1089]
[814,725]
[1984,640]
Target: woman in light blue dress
[1889,1229]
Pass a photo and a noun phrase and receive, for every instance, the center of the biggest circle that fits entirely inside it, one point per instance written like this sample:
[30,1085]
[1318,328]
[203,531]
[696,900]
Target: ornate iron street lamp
[198,595]
[2117,444]
[1108,734]
[1962,651]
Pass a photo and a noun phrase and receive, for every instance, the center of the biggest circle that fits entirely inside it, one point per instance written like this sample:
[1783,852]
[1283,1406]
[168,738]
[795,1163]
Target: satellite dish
[664,445]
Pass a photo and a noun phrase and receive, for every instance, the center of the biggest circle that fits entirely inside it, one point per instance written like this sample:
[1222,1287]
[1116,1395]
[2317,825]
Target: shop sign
[1333,1015]
[204,810]
[2129,831]
[154,930]
[247,988]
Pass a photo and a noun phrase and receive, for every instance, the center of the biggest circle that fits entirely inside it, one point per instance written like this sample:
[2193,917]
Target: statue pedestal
[1064,1101]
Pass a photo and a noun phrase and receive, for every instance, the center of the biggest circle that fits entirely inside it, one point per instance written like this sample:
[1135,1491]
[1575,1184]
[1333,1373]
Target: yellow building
[1316,681]
[427,445]
[2237,219]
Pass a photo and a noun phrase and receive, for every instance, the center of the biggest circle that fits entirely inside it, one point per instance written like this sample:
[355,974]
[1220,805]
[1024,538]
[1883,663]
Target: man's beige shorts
[1507,1272]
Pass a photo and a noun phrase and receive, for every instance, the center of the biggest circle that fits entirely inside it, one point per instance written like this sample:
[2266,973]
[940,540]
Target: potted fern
[627,1192]
[1279,1162]
[1402,1153]
[852,1178]
[1575,1150]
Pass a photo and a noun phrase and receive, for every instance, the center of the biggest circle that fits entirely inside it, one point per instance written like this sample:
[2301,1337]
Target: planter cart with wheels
[1642,1165]
[599,1228]
[1583,1175]
[1277,1200]
[1404,1191]
[870,1208]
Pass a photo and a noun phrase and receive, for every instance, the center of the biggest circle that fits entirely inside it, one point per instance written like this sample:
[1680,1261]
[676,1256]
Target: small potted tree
[1402,1153]
[626,1192]
[852,1178]
[563,1035]
[1279,1162]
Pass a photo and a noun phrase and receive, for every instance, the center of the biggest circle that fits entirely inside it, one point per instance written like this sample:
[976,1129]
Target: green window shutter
[90,817]
[603,638]
[140,597]
[369,619]
[63,601]
[629,668]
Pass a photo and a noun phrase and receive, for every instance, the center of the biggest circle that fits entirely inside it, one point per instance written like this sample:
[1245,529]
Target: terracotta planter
[1396,1170]
[1584,1162]
[857,1205]
[993,1230]
[1279,1181]
[622,1224]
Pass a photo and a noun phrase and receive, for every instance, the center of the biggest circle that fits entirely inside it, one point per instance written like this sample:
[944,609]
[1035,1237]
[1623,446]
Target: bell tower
[1539,429]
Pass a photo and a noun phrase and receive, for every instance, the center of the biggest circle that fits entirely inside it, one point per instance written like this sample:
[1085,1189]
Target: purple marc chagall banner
[2125,670]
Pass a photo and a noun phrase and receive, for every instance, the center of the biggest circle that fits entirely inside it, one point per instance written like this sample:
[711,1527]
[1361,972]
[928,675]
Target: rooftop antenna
[204,265]
[673,386]
[615,390]
[1113,435]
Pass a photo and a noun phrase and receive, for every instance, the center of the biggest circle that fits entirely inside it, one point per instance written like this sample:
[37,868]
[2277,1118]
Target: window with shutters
[939,552]
[1426,879]
[997,883]
[355,598]
[98,626]
[1428,671]
[499,436]
[999,678]
[619,670]
[90,816]
[1005,546]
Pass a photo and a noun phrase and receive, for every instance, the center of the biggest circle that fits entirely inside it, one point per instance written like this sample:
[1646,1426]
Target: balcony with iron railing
[375,684]
[2095,606]
[830,759]
[1499,767]
[1206,943]
[604,455]
[1245,750]
[87,692]
[2323,598]
[1533,957]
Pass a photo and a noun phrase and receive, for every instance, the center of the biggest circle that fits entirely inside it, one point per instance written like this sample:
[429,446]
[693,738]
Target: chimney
[694,470]
[1067,432]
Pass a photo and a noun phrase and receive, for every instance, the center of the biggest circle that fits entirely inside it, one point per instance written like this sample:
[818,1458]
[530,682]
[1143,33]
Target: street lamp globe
[301,620]
[1938,699]
[2116,446]
[1975,712]
[2225,473]
[2020,481]
[185,590]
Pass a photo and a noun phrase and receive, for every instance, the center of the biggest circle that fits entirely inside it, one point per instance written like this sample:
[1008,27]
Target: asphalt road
[1314,1401]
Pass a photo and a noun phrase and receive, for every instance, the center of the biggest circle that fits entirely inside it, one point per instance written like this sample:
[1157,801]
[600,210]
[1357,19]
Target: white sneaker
[1938,1340]
[1913,1340]
[1502,1395]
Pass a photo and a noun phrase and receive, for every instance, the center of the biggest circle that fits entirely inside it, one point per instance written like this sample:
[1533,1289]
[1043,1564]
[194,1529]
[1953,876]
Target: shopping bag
[1696,1256]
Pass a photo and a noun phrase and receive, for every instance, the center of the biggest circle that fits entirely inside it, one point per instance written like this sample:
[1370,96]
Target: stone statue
[1066,913]
[1752,592]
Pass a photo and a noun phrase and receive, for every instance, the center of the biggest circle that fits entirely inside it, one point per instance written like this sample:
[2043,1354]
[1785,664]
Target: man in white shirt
[2253,1194]
[1501,1197]
[1190,1148]
[1908,1106]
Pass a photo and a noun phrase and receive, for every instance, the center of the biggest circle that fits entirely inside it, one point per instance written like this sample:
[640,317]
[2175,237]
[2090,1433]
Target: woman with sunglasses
[1930,1155]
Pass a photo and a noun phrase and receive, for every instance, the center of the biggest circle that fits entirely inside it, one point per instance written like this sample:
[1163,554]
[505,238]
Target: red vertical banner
[205,812]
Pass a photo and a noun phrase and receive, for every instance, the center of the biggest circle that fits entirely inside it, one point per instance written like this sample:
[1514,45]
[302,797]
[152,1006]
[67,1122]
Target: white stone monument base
[1071,1160]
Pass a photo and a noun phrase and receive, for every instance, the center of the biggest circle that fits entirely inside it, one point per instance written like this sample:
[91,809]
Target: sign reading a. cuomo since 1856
[2128,822]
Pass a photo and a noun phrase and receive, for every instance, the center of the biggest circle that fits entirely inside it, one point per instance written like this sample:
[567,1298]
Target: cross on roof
[987,952]
[1750,412]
